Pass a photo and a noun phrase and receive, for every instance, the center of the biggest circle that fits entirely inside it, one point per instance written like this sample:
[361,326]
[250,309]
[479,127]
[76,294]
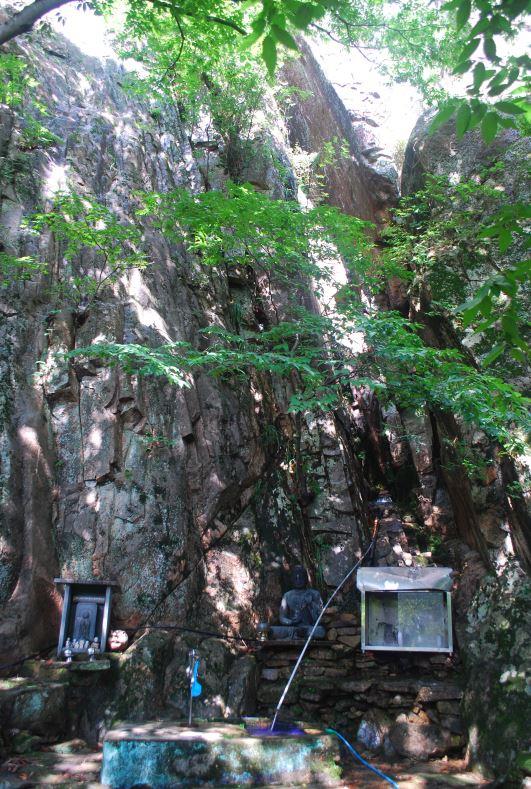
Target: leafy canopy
[96,248]
[246,230]
[187,43]
[459,246]
[418,38]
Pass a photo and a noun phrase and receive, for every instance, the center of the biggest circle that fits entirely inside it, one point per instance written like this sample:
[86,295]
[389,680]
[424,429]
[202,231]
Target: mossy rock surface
[33,706]
[162,754]
[497,699]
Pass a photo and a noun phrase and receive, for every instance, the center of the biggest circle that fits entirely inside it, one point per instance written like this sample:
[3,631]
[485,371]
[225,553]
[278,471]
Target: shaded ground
[73,764]
[419,775]
[63,765]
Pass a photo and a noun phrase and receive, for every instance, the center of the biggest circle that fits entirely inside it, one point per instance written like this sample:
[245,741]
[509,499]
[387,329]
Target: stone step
[59,670]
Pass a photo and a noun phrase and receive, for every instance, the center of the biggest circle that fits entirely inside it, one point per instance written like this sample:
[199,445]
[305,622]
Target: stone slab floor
[72,764]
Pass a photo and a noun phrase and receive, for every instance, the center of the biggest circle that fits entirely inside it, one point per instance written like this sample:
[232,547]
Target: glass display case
[406,609]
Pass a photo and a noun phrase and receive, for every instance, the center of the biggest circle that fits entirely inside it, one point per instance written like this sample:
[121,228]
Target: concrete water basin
[165,754]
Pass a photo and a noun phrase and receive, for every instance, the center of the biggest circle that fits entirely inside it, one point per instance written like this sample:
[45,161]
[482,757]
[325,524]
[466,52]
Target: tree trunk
[517,513]
[23,21]
[458,486]
[440,333]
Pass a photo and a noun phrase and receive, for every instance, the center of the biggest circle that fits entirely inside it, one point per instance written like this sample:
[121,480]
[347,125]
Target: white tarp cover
[394,579]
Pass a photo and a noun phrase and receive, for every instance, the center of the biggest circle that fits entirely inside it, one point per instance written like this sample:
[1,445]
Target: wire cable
[205,633]
[361,759]
[209,633]
[31,656]
[316,624]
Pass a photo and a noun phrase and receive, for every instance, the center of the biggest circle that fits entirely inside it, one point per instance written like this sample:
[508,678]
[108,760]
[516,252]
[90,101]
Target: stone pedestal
[163,754]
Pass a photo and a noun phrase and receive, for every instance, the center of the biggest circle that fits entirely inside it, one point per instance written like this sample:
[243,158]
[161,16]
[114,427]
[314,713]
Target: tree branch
[23,21]
[376,25]
[337,41]
[176,11]
[227,22]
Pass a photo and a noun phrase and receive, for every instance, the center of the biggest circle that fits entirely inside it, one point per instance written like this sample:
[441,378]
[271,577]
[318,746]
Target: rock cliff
[180,497]
[493,632]
[196,501]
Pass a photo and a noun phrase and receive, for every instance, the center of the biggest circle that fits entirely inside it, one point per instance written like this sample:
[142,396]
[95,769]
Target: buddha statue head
[299,577]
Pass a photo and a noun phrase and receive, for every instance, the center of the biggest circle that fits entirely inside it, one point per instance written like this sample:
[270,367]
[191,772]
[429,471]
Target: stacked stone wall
[404,704]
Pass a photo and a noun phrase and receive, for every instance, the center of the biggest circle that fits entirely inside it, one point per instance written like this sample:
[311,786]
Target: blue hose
[361,759]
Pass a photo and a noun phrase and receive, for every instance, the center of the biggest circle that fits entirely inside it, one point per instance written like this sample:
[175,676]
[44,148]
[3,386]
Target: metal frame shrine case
[406,609]
[86,612]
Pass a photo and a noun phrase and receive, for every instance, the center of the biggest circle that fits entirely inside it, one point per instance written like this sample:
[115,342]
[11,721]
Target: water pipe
[314,628]
[361,759]
[195,686]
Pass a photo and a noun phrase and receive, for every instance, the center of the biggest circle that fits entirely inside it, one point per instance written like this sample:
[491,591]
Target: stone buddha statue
[299,609]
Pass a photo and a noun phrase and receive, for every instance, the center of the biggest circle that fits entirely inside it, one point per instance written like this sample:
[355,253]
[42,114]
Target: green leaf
[489,126]
[485,306]
[480,75]
[515,8]
[461,68]
[499,77]
[463,13]
[476,300]
[443,115]
[497,90]
[303,16]
[509,287]
[490,232]
[269,54]
[462,120]
[489,47]
[509,326]
[477,115]
[493,354]
[522,270]
[471,308]
[285,38]
[513,75]
[500,24]
[258,24]
[468,50]
[469,316]
[505,239]
[510,107]
[248,41]
[507,123]
[481,26]
[519,355]
[258,27]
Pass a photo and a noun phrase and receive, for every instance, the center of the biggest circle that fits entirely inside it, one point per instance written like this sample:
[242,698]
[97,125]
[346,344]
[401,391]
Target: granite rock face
[360,179]
[442,153]
[188,499]
[491,625]
[497,655]
[32,706]
[181,497]
[474,508]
